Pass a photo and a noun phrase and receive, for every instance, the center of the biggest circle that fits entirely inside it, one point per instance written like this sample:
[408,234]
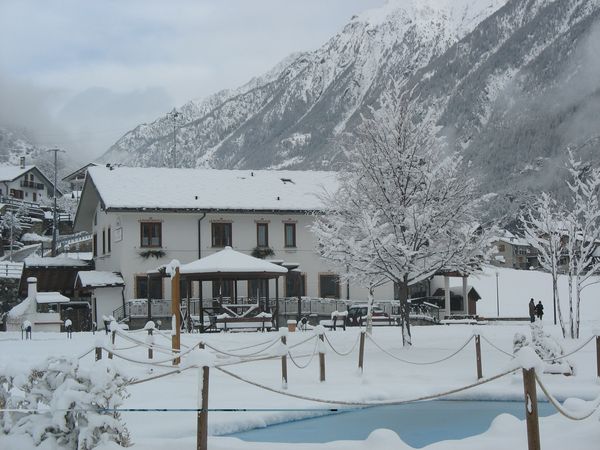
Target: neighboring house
[514,252]
[77,178]
[25,183]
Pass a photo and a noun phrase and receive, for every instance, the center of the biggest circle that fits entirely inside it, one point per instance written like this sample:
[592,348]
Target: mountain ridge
[491,71]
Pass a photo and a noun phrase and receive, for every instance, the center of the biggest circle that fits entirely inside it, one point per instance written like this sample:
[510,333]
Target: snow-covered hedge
[63,403]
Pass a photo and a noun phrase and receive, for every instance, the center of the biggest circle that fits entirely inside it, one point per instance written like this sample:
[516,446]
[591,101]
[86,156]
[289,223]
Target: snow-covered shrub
[519,341]
[72,404]
[548,349]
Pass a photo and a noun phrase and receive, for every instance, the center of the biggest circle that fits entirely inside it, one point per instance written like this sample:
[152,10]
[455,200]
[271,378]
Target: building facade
[25,183]
[141,219]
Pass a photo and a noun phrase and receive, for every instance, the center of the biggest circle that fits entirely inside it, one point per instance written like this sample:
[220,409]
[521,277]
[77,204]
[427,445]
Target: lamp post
[497,296]
[54,218]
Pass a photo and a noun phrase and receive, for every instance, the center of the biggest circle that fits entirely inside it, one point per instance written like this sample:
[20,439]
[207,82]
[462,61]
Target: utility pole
[174,115]
[54,217]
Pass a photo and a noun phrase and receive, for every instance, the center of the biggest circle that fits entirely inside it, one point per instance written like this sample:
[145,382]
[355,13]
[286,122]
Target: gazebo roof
[229,264]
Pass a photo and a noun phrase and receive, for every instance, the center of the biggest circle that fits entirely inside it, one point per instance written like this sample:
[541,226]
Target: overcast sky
[81,73]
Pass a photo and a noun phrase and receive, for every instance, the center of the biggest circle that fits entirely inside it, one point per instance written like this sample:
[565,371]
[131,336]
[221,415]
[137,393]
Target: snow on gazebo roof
[97,278]
[154,188]
[229,261]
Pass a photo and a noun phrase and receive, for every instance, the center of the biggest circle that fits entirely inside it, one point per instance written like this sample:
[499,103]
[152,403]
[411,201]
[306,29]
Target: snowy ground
[384,378]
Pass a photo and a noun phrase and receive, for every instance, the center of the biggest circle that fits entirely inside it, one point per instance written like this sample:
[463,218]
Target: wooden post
[112,339]
[176,312]
[531,410]
[478,356]
[150,342]
[202,419]
[598,355]
[361,351]
[284,377]
[322,361]
[98,353]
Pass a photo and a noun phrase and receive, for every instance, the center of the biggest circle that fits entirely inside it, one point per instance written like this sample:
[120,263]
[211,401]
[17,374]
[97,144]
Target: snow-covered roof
[19,309]
[57,261]
[79,171]
[97,278]
[512,239]
[50,297]
[85,256]
[10,173]
[230,261]
[209,189]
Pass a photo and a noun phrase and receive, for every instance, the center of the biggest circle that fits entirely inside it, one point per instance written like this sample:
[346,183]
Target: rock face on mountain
[512,83]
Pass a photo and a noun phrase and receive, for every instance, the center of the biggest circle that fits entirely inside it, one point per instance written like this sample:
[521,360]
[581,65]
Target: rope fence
[419,363]
[530,377]
[561,409]
[366,404]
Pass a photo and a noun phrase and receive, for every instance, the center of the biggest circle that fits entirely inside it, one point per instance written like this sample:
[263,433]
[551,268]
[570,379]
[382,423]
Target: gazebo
[229,265]
[225,265]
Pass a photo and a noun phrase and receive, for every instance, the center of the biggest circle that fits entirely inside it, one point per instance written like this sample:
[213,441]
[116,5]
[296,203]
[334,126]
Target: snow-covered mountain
[288,117]
[512,82]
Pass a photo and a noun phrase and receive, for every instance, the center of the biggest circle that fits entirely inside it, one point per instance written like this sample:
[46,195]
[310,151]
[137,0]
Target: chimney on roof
[32,294]
[22,162]
[32,287]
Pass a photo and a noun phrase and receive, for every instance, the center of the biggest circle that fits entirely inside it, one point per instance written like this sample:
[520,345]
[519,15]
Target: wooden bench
[338,321]
[240,323]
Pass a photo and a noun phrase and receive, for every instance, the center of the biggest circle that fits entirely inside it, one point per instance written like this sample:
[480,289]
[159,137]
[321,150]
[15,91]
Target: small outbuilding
[104,291]
[40,309]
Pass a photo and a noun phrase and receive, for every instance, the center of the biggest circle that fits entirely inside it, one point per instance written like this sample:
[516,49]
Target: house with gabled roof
[77,177]
[142,218]
[514,252]
[25,183]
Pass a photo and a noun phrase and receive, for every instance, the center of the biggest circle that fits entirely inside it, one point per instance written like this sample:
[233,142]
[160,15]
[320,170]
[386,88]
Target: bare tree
[543,224]
[404,211]
[569,236]
[583,225]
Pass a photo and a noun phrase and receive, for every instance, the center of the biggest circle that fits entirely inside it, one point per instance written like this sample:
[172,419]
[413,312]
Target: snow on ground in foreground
[384,378]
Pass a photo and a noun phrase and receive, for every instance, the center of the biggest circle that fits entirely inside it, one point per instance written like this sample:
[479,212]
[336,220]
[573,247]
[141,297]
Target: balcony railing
[32,184]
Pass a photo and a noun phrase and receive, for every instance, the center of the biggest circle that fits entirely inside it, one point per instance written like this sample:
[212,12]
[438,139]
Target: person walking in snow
[532,310]
[539,310]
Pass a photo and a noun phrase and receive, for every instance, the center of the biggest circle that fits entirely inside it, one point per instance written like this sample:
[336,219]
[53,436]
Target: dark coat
[539,309]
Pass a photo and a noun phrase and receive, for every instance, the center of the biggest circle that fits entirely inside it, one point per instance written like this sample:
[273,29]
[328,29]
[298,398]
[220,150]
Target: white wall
[180,241]
[105,300]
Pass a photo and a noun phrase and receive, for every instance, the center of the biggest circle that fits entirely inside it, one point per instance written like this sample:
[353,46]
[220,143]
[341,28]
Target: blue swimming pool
[418,424]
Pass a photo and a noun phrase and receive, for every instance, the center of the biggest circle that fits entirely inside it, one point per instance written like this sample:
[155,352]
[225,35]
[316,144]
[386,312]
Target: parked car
[357,315]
